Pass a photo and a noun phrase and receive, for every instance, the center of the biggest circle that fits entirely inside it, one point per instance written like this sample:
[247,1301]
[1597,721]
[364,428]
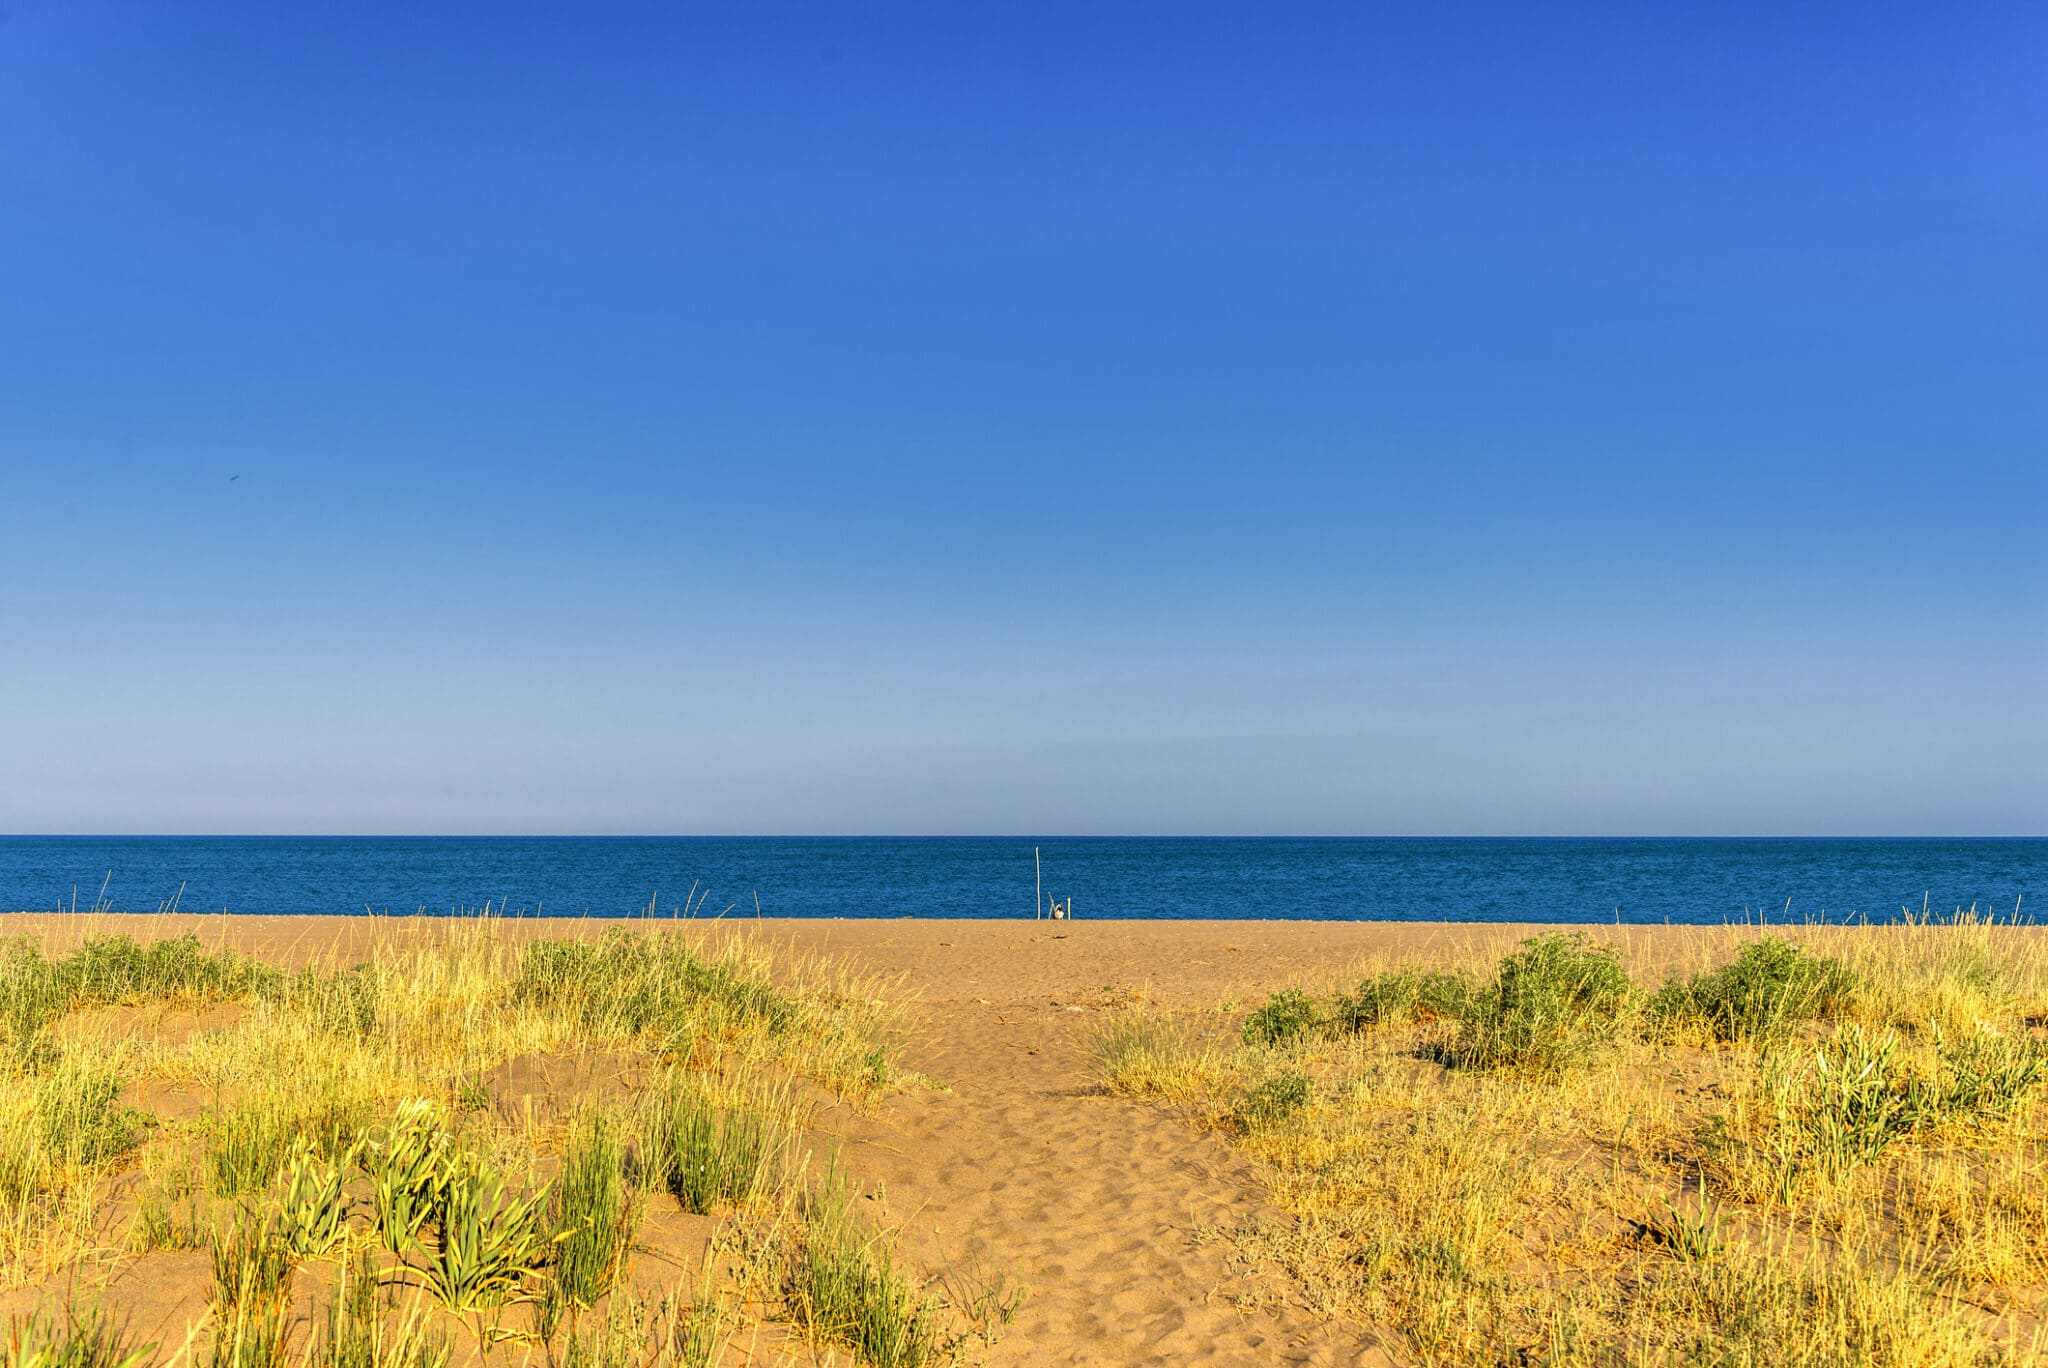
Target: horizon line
[1002,836]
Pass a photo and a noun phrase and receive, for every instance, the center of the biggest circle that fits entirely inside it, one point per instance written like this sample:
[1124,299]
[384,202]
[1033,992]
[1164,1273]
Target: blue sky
[1179,418]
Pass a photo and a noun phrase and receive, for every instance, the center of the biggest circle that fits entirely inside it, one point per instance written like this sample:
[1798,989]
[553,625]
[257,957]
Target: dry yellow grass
[149,1093]
[1846,1192]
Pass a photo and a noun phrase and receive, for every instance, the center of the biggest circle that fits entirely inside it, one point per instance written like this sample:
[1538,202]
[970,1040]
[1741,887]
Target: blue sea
[1334,879]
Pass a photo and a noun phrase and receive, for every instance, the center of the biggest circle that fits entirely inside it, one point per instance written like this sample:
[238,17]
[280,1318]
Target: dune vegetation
[465,1147]
[1819,1149]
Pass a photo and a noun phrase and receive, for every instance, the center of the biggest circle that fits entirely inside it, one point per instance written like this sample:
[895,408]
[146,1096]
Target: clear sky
[1094,418]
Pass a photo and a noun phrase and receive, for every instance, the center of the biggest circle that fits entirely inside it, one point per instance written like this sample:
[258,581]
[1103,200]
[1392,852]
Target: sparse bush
[619,1340]
[1770,987]
[1769,1307]
[63,1124]
[1824,1111]
[1143,1055]
[985,1294]
[344,1003]
[252,1275]
[249,1142]
[1555,1002]
[1287,1015]
[1471,1212]
[248,1335]
[288,1085]
[704,1331]
[245,1147]
[1849,1102]
[1273,1100]
[1841,1105]
[158,1226]
[1401,996]
[1692,1236]
[116,970]
[251,1261]
[158,1222]
[1980,1078]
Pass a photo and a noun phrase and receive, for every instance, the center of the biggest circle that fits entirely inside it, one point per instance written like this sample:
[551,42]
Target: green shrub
[1273,1100]
[1287,1015]
[640,984]
[116,970]
[1983,1078]
[73,1123]
[1771,986]
[1554,1002]
[1404,995]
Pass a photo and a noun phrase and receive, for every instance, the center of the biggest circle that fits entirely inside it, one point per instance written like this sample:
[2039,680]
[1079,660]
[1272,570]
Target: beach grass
[1813,1146]
[347,1131]
[1825,1148]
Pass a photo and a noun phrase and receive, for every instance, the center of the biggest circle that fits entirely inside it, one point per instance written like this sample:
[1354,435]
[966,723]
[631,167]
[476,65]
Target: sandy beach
[1111,1211]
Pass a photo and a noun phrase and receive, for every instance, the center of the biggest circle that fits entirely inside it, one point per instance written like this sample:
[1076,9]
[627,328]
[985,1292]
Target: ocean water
[1402,879]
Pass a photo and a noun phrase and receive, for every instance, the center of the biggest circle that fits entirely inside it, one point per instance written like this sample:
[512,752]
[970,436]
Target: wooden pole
[1037,878]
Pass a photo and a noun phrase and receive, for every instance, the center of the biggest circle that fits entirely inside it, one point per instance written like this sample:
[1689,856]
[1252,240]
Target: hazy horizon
[1439,420]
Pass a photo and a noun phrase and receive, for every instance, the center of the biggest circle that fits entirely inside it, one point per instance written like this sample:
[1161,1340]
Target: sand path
[1096,1204]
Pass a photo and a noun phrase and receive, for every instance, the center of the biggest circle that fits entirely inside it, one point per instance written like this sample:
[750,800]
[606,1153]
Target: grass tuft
[252,1277]
[849,1290]
[638,984]
[355,1330]
[708,1155]
[82,1338]
[592,1213]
